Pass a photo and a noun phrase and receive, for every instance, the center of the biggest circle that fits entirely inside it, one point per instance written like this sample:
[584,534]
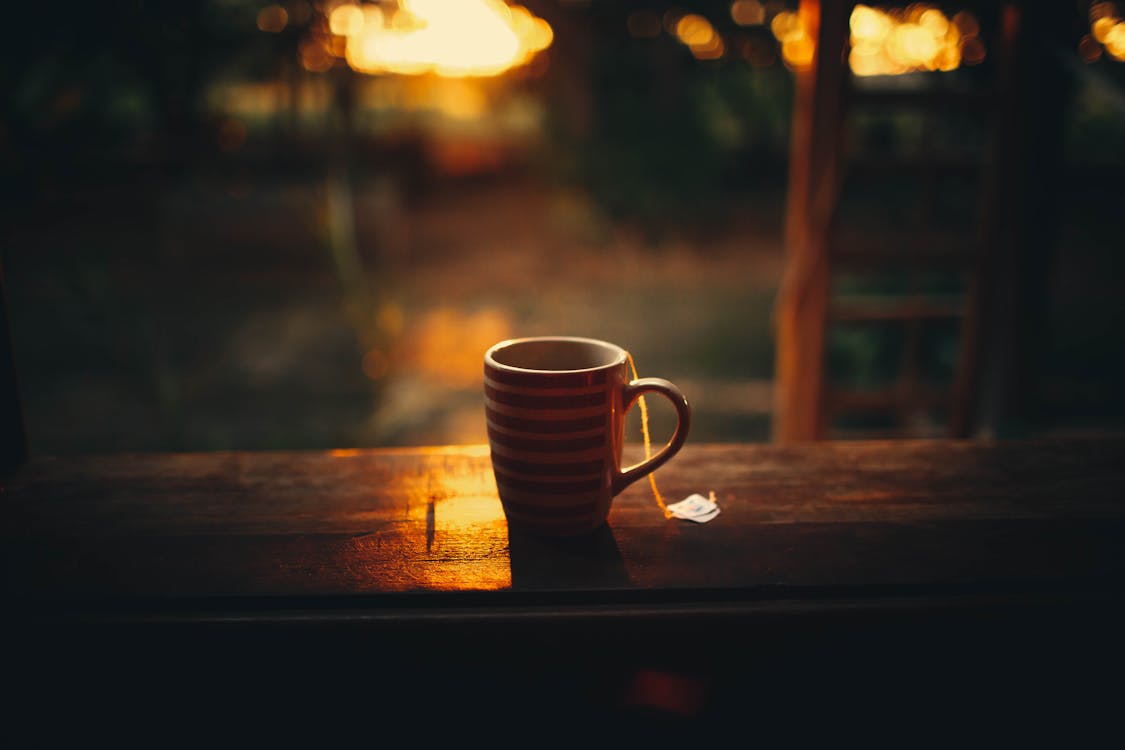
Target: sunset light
[450,38]
[892,41]
[1107,30]
[697,33]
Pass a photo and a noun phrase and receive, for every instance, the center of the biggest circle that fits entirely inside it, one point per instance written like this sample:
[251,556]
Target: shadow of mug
[586,561]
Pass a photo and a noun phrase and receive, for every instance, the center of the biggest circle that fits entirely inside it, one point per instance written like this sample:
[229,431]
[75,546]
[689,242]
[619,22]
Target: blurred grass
[217,319]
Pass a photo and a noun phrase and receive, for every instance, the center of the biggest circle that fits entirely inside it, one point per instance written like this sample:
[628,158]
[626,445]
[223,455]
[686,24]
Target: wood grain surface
[955,585]
[427,520]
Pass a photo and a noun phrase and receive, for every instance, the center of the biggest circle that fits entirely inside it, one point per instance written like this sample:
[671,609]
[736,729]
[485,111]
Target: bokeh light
[920,37]
[346,20]
[1107,32]
[699,36]
[451,38]
[1115,41]
[315,55]
[797,45]
[786,25]
[747,12]
[1102,26]
[272,19]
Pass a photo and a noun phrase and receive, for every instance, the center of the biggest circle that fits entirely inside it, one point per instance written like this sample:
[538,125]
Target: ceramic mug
[555,408]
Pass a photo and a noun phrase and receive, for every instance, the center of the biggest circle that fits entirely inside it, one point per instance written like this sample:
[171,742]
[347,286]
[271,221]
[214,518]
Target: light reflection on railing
[449,493]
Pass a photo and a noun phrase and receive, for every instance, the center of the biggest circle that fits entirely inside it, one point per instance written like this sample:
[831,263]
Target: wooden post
[813,182]
[13,443]
[1042,93]
[997,361]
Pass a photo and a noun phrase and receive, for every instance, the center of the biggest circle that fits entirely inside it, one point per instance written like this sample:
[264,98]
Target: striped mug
[555,408]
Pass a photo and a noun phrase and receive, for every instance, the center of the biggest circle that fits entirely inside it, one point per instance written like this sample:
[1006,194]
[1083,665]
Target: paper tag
[695,508]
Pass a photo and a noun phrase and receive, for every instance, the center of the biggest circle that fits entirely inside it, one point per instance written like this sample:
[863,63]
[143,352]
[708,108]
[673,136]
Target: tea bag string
[648,442]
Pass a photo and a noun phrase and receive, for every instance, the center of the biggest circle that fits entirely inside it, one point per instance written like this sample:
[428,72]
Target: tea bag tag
[696,508]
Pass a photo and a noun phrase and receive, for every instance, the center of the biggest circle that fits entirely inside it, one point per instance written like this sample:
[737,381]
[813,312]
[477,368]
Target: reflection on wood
[863,514]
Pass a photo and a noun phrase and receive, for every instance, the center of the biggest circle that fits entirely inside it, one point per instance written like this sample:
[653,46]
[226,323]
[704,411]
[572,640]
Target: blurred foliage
[99,70]
[100,86]
[671,135]
[121,87]
[658,155]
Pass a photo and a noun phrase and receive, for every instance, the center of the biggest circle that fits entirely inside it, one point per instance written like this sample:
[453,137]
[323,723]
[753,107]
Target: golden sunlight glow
[892,41]
[935,22]
[272,19]
[786,25]
[911,44]
[699,36]
[346,20]
[345,453]
[464,546]
[1102,26]
[903,40]
[869,25]
[694,30]
[1115,42]
[1106,30]
[444,345]
[452,38]
[797,46]
[798,51]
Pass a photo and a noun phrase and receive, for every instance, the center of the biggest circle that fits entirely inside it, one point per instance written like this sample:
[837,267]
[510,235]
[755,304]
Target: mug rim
[620,355]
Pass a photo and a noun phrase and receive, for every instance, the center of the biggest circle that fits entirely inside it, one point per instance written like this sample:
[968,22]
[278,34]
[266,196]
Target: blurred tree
[89,81]
[668,134]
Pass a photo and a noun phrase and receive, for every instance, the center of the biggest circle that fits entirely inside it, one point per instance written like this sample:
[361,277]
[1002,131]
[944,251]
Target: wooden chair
[822,249]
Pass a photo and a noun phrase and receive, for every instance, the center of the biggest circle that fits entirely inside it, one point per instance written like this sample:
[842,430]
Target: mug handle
[629,395]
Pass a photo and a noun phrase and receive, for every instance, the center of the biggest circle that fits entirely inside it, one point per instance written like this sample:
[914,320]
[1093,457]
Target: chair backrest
[836,288]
